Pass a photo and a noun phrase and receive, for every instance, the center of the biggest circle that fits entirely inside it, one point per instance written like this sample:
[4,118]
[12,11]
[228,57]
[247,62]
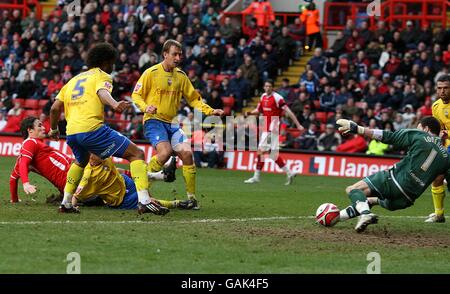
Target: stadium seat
[330,115]
[32,112]
[31,104]
[321,116]
[220,78]
[228,101]
[42,103]
[323,128]
[294,132]
[19,100]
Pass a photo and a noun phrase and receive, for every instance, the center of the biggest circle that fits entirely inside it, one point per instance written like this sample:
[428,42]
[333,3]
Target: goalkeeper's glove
[349,127]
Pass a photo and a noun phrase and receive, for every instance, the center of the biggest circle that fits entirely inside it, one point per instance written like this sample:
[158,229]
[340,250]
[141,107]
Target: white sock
[363,206]
[157,176]
[257,174]
[144,197]
[67,200]
[286,170]
[373,200]
[343,215]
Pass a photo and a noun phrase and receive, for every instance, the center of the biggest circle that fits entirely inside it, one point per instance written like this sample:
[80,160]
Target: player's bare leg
[259,167]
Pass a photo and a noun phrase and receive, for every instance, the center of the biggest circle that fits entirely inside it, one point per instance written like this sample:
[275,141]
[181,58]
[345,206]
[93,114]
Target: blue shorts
[130,200]
[157,131]
[103,142]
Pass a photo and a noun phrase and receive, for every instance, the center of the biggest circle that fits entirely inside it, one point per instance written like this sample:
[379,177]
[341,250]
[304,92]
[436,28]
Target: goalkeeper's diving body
[399,186]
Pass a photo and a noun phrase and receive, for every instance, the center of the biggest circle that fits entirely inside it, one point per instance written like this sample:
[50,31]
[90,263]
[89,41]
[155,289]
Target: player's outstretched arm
[55,112]
[350,127]
[293,117]
[107,99]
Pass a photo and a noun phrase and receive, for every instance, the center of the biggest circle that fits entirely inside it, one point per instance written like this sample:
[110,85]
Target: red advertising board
[322,164]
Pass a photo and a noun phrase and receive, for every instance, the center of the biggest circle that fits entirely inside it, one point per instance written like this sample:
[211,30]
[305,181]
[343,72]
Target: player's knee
[349,189]
[140,154]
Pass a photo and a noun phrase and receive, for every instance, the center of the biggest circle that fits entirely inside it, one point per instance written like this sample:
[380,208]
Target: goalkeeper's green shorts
[382,186]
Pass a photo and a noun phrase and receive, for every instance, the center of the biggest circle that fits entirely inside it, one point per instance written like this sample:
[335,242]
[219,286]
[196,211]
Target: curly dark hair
[27,124]
[101,54]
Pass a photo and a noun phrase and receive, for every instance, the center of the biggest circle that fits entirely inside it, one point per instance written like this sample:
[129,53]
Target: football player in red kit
[38,157]
[271,107]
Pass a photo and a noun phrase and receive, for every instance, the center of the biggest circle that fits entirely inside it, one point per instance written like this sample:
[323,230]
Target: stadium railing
[25,6]
[336,14]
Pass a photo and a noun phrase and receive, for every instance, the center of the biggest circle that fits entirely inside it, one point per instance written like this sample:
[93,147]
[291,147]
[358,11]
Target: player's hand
[349,127]
[74,201]
[53,134]
[121,106]
[219,112]
[77,192]
[300,128]
[151,109]
[29,189]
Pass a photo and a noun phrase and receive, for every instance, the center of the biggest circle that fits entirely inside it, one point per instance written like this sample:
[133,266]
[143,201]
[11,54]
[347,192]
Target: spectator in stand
[408,115]
[297,33]
[318,62]
[425,110]
[214,100]
[338,47]
[287,92]
[308,140]
[329,140]
[327,99]
[54,85]
[311,83]
[134,129]
[409,98]
[229,62]
[250,72]
[229,31]
[263,12]
[239,89]
[310,17]
[353,144]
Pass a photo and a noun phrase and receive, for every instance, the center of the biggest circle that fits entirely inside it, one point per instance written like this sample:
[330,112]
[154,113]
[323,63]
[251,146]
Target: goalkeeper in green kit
[398,187]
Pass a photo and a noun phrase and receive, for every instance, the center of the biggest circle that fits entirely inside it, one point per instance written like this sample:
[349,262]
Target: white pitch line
[206,220]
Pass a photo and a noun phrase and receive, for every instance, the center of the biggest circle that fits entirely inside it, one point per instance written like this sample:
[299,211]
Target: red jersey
[42,159]
[271,107]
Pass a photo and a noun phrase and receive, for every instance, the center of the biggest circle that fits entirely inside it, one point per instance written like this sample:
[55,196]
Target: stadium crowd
[380,77]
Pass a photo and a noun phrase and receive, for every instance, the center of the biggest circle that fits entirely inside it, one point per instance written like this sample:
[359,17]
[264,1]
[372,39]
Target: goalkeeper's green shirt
[425,160]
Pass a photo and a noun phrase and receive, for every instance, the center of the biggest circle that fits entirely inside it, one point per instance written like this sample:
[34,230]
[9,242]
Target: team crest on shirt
[169,81]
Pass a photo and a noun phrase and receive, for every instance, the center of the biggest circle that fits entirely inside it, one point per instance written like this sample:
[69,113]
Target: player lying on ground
[51,164]
[271,107]
[398,187]
[83,99]
[102,179]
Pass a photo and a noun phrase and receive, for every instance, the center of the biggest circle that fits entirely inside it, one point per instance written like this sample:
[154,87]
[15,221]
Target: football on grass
[327,214]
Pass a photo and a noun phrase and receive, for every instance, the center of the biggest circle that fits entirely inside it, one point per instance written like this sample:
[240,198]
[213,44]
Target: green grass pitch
[262,228]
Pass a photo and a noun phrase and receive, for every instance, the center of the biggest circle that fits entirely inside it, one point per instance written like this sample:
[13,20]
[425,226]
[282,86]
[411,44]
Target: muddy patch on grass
[380,235]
